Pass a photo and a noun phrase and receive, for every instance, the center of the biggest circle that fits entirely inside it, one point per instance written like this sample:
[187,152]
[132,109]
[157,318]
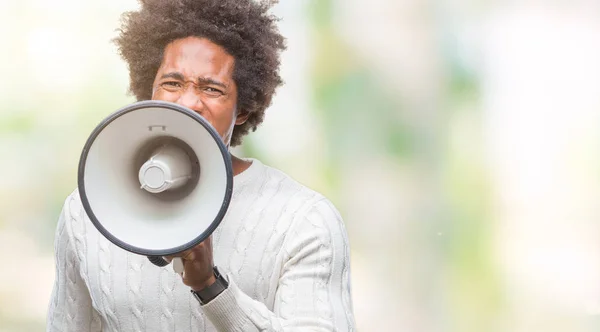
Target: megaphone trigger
[178,265]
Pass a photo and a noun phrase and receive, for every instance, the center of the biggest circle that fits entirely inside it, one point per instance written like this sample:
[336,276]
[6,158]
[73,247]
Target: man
[281,253]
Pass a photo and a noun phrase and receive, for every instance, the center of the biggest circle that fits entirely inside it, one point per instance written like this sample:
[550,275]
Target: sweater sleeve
[313,293]
[70,307]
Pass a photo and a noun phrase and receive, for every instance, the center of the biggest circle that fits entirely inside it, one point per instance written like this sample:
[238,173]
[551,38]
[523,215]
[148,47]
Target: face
[198,74]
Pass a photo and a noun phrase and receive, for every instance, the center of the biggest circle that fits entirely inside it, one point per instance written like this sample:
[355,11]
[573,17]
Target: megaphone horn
[155,179]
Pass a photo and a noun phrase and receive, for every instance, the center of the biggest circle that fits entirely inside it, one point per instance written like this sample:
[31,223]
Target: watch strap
[208,293]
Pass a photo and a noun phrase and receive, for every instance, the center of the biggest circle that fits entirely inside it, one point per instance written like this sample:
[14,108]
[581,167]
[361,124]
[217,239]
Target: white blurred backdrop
[459,139]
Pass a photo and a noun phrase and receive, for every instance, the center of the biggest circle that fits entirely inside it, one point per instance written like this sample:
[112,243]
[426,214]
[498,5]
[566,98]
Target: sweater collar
[250,173]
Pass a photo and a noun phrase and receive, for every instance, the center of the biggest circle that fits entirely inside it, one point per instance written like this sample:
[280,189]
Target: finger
[188,255]
[185,279]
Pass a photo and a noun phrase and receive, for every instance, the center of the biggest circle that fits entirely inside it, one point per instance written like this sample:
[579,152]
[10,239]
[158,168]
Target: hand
[198,265]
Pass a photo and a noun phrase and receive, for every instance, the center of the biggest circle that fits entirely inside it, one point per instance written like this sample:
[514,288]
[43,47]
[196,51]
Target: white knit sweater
[282,246]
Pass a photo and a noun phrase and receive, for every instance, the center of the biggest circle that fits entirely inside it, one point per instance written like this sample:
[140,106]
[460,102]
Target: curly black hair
[244,28]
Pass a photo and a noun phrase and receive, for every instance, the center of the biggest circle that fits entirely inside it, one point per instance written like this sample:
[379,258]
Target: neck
[239,165]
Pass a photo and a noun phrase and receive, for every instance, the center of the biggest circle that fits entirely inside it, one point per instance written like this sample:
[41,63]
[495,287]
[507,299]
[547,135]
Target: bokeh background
[460,139]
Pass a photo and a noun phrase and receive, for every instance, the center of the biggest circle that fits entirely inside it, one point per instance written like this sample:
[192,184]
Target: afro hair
[244,28]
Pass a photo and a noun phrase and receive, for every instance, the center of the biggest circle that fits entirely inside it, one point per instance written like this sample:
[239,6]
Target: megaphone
[155,179]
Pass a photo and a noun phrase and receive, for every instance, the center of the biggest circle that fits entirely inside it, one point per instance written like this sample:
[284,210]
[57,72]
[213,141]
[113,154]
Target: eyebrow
[200,80]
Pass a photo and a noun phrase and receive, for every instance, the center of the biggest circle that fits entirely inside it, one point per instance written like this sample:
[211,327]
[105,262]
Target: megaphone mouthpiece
[169,167]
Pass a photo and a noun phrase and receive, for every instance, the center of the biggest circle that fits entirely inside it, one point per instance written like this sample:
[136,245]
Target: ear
[241,117]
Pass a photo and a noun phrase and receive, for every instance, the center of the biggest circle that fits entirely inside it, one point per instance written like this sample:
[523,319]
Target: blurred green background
[459,140]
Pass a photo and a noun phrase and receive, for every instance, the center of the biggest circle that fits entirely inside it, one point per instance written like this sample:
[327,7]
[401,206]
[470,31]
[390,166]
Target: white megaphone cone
[155,179]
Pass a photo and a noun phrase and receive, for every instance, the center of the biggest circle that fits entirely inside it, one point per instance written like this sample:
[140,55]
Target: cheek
[160,94]
[223,122]
[222,118]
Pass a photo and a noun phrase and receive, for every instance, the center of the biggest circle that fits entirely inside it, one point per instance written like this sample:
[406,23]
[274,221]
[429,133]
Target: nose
[190,99]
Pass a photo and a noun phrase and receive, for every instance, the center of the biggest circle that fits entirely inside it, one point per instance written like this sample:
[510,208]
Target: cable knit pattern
[78,231]
[269,255]
[71,314]
[282,246]
[134,288]
[167,299]
[106,283]
[70,306]
[197,322]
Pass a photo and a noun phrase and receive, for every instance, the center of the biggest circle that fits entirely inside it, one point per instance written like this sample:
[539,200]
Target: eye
[171,85]
[213,91]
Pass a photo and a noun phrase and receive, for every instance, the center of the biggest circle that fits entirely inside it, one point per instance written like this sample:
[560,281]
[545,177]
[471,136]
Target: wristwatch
[208,293]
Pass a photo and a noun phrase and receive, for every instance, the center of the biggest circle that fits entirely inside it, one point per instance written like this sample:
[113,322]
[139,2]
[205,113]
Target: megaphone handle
[158,261]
